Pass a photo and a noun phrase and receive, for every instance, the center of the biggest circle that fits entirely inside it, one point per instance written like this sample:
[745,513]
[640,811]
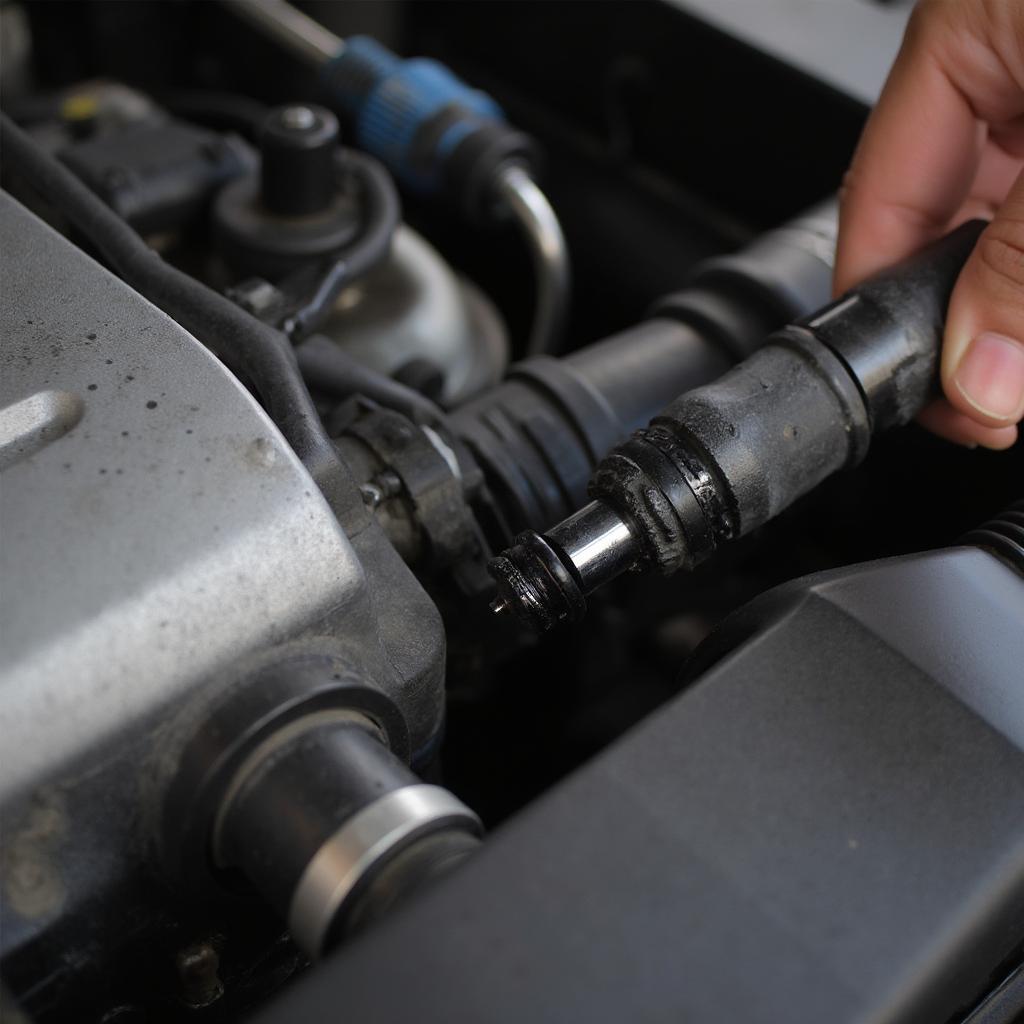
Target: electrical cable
[381,216]
[330,369]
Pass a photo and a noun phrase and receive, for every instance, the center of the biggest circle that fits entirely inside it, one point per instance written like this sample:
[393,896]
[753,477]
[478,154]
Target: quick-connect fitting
[727,457]
[434,132]
[437,136]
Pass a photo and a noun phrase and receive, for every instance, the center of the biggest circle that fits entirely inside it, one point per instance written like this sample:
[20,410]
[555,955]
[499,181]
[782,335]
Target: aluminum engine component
[415,307]
[95,535]
[160,541]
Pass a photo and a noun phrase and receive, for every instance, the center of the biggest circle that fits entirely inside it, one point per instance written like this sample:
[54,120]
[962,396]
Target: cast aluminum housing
[160,541]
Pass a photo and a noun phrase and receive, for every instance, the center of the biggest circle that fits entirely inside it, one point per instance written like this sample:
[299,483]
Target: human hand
[946,143]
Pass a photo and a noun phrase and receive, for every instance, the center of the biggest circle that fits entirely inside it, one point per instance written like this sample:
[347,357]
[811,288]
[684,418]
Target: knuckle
[999,257]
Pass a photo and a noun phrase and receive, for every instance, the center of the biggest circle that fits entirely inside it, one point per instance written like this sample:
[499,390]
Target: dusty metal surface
[160,545]
[414,306]
[155,524]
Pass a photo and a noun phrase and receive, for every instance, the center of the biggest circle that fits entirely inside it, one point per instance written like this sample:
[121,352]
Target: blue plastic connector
[410,114]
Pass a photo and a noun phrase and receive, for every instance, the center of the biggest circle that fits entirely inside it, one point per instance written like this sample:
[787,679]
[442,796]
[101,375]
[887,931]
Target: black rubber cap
[297,144]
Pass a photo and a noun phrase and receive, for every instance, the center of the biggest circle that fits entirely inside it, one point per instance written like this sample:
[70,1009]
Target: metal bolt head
[197,967]
[371,494]
[297,118]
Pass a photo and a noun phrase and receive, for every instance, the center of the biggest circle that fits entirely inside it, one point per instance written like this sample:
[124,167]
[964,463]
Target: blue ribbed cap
[390,99]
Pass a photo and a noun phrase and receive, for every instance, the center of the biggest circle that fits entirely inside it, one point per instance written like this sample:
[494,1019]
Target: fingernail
[991,376]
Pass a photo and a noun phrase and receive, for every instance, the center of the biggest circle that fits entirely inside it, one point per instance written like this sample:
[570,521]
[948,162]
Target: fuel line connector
[727,457]
[438,136]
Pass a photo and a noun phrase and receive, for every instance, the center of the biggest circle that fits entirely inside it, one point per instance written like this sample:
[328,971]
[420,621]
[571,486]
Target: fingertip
[988,383]
[983,348]
[875,232]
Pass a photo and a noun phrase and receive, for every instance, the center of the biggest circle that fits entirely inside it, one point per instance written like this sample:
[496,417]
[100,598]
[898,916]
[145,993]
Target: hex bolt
[382,487]
[298,118]
[197,967]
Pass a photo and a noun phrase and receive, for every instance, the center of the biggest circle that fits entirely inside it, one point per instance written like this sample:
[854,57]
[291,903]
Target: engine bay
[459,560]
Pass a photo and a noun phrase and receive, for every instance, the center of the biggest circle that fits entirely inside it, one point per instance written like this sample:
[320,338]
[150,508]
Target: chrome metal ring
[369,835]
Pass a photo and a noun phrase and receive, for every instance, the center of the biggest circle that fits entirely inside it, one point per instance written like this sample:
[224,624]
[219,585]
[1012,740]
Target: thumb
[983,351]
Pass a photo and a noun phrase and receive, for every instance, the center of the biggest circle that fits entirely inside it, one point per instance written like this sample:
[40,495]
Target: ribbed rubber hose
[1003,536]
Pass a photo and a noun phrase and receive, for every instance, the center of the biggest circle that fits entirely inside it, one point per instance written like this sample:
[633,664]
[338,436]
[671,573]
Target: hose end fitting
[434,132]
[536,584]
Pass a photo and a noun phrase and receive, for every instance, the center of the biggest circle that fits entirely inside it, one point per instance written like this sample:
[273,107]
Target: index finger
[921,148]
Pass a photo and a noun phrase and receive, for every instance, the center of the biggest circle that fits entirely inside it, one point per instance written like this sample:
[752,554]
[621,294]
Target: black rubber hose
[333,371]
[382,213]
[259,354]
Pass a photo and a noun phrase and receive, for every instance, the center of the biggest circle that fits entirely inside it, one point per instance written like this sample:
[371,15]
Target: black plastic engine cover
[828,825]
